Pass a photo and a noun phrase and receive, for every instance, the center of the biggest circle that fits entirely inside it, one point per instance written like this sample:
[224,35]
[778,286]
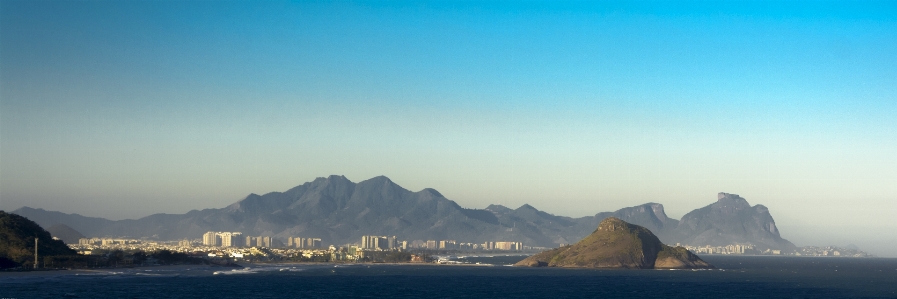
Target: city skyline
[122,110]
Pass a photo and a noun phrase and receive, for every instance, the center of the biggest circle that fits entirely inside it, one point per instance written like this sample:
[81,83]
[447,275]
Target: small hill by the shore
[617,244]
[17,235]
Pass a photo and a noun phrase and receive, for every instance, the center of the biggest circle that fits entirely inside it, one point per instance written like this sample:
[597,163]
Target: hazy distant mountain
[65,233]
[649,215]
[731,220]
[540,226]
[340,211]
[89,225]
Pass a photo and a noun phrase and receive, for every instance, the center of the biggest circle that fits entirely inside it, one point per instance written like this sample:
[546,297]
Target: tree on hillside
[17,236]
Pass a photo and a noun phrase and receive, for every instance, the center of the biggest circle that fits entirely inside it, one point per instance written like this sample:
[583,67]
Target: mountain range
[340,211]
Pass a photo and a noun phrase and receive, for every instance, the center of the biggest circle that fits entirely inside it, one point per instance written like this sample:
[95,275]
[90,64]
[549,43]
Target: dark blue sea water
[743,277]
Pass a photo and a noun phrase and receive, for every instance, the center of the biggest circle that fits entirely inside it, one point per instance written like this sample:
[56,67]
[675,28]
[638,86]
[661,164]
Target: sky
[128,108]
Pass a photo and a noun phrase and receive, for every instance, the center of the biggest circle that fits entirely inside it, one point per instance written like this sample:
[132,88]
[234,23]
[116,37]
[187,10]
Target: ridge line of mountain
[340,211]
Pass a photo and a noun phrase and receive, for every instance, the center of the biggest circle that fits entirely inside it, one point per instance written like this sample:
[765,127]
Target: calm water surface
[745,277]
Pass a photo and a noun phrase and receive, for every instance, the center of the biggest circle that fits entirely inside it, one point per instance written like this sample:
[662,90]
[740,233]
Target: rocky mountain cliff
[340,211]
[649,215]
[617,244]
[731,220]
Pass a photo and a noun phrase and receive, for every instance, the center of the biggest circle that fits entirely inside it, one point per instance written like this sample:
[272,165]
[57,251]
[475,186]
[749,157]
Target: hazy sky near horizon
[123,109]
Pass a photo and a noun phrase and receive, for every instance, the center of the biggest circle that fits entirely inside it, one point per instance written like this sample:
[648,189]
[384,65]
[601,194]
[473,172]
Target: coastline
[13,276]
[6,276]
[247,268]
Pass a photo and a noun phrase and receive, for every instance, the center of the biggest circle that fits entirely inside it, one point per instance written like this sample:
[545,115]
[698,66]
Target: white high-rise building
[378,242]
[230,239]
[264,241]
[392,243]
[211,239]
[224,239]
[261,241]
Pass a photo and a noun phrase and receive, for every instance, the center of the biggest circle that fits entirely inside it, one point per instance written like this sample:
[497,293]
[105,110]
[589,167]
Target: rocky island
[618,244]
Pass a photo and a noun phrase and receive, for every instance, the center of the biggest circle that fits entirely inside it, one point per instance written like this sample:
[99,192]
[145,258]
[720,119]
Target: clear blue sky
[128,108]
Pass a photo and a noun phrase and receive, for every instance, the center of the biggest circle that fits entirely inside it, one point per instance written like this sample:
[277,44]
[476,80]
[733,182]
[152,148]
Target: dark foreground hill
[17,235]
[617,244]
[340,211]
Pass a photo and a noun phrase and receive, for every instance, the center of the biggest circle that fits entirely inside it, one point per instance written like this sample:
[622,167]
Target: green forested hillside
[17,235]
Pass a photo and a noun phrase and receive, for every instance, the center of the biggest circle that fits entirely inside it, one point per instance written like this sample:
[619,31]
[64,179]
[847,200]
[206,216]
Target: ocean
[736,277]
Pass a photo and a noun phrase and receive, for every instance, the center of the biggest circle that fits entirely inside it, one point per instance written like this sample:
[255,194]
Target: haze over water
[124,109]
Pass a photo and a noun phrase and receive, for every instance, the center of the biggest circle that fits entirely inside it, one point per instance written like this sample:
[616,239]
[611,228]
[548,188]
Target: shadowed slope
[17,236]
[65,233]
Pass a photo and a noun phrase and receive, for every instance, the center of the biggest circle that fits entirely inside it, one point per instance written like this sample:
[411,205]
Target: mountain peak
[526,206]
[613,224]
[611,221]
[498,209]
[331,179]
[383,182]
[721,195]
[432,192]
[27,208]
[380,178]
[658,211]
[731,219]
[334,177]
[728,198]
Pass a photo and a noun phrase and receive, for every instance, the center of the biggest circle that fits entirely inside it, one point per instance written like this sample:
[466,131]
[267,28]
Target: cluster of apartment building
[454,245]
[223,239]
[728,249]
[502,245]
[381,243]
[213,239]
[88,246]
[233,239]
[831,251]
[260,241]
[299,242]
[802,251]
[106,241]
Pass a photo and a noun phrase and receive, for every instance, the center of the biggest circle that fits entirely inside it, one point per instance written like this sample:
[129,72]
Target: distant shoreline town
[235,247]
[223,247]
[229,248]
[340,211]
[750,249]
[336,220]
